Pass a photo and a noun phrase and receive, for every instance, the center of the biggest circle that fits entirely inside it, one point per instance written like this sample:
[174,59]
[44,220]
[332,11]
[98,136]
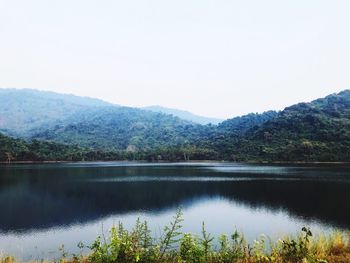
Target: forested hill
[92,130]
[315,131]
[124,128]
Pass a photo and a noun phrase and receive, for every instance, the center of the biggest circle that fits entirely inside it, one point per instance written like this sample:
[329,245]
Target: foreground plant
[138,245]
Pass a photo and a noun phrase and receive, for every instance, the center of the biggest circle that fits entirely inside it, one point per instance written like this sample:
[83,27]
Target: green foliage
[232,249]
[138,245]
[295,250]
[171,234]
[19,150]
[206,242]
[124,246]
[190,250]
[238,126]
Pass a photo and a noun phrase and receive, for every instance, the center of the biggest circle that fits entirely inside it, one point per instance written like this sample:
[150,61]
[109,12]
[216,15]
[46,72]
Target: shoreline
[191,161]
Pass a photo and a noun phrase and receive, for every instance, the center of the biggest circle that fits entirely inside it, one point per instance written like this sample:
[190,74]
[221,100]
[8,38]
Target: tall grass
[138,245]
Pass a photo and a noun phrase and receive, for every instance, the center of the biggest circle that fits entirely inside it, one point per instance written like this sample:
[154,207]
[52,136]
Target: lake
[43,206]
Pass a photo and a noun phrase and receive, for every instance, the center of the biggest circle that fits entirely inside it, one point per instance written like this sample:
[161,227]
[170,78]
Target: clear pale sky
[218,58]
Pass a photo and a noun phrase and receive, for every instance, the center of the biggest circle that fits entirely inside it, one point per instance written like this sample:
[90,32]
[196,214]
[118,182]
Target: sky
[218,58]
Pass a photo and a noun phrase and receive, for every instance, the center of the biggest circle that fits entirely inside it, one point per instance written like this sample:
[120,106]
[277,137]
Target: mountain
[65,127]
[90,123]
[132,129]
[24,110]
[314,131]
[185,115]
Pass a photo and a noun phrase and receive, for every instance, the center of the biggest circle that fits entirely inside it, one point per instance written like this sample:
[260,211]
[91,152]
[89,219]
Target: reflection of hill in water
[42,198]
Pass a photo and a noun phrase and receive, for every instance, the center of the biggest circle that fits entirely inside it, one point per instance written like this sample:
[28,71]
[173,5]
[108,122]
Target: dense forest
[316,131]
[124,128]
[38,126]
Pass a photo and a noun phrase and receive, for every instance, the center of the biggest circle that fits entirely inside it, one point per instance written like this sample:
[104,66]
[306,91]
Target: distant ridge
[71,98]
[185,115]
[22,110]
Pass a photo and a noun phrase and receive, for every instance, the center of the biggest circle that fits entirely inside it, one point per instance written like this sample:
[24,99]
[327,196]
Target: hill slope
[135,130]
[124,128]
[238,126]
[315,131]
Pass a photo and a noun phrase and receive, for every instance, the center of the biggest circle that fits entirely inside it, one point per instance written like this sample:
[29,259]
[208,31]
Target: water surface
[46,205]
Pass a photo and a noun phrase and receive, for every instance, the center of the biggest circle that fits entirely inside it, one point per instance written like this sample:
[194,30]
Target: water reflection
[45,200]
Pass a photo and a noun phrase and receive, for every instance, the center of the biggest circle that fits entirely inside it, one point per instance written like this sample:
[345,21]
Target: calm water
[45,206]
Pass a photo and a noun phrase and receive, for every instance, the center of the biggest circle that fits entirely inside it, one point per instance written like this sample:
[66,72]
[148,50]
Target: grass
[138,245]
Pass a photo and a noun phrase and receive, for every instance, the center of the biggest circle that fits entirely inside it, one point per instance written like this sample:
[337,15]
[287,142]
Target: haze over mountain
[185,115]
[24,110]
[217,58]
